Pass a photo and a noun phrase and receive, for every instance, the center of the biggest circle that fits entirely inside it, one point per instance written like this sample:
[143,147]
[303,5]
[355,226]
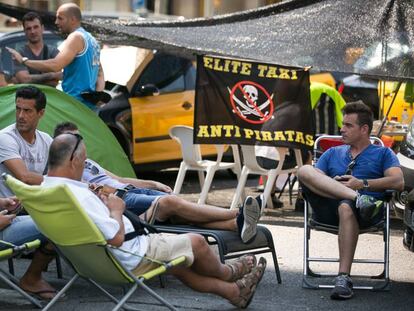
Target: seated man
[19,230]
[154,201]
[345,187]
[202,271]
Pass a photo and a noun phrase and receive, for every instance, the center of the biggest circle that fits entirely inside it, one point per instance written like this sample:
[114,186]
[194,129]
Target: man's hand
[15,55]
[11,204]
[161,187]
[114,204]
[350,181]
[5,220]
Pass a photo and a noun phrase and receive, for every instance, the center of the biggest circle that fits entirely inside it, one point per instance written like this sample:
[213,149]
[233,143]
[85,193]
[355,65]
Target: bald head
[62,148]
[71,10]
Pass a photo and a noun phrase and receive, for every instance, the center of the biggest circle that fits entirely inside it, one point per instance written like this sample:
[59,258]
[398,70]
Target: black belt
[129,187]
[121,192]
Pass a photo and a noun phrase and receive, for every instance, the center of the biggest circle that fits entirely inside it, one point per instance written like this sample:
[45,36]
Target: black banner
[244,102]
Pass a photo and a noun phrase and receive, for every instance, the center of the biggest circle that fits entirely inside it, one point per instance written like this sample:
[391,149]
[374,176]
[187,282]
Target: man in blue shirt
[78,56]
[346,185]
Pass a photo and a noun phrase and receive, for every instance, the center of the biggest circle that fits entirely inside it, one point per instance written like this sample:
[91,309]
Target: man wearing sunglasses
[154,201]
[346,187]
[23,154]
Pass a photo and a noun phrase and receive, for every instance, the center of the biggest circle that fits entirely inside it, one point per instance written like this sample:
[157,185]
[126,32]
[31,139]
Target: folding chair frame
[309,276]
[137,282]
[10,279]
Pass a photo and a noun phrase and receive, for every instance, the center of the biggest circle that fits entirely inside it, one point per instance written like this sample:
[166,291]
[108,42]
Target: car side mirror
[148,90]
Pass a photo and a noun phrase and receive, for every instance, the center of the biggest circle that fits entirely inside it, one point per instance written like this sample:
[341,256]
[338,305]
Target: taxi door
[162,97]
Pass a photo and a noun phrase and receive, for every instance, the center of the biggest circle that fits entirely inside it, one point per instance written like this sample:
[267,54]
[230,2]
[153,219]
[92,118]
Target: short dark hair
[363,112]
[31,16]
[32,92]
[63,127]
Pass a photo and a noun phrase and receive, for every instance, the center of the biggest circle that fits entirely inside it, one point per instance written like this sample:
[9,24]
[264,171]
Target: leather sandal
[240,267]
[248,284]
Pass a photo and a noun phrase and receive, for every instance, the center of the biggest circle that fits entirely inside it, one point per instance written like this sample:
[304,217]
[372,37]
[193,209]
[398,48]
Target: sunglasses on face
[350,167]
[79,138]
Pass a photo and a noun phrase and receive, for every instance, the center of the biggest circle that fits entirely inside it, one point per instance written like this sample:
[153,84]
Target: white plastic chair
[192,160]
[251,167]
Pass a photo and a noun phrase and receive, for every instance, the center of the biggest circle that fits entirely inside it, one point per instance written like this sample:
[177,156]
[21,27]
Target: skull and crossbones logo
[249,107]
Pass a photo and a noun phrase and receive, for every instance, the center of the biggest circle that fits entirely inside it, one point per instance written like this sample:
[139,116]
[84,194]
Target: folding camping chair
[8,251]
[323,143]
[63,221]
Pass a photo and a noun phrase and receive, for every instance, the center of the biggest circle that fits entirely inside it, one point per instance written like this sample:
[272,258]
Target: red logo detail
[244,98]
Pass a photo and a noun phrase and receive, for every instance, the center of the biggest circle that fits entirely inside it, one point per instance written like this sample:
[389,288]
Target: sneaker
[343,288]
[368,206]
[247,219]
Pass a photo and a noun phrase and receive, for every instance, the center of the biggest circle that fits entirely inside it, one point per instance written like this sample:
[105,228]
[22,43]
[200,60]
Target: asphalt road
[286,226]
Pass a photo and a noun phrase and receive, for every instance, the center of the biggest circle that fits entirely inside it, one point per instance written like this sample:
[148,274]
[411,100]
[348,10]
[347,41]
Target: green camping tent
[101,144]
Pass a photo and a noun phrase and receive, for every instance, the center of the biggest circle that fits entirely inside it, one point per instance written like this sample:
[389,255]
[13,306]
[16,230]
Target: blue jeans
[138,200]
[21,230]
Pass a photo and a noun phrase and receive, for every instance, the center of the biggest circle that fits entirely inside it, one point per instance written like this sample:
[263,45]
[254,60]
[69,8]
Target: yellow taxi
[151,92]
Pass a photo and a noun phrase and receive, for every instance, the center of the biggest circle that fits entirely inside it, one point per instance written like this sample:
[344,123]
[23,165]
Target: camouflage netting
[323,34]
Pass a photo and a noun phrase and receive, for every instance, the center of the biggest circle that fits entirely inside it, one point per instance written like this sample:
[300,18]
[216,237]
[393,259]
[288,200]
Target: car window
[166,72]
[190,77]
[16,41]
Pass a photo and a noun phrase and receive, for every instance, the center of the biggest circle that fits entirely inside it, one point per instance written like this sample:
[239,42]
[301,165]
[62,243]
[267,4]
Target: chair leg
[180,178]
[240,187]
[61,292]
[207,185]
[201,178]
[156,296]
[5,277]
[11,266]
[59,267]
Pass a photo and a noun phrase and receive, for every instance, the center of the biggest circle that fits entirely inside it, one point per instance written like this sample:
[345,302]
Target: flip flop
[39,294]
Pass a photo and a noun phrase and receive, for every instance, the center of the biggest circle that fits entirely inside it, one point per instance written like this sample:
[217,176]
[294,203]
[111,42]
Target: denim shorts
[138,200]
[21,230]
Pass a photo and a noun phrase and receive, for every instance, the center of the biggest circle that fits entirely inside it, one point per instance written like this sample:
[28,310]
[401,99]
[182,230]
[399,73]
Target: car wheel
[400,200]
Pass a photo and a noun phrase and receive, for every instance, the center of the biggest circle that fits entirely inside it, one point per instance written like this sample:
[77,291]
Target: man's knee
[167,206]
[198,243]
[306,172]
[345,211]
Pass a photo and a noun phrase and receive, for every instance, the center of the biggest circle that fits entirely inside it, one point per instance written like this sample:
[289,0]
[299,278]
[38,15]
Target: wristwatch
[366,185]
[24,59]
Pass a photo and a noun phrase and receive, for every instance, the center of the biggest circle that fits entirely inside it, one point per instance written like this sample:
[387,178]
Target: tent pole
[384,119]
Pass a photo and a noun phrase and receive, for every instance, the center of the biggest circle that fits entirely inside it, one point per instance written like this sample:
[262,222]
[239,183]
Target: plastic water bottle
[405,117]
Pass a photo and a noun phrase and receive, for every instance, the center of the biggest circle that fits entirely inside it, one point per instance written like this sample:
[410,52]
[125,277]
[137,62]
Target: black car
[16,40]
[406,158]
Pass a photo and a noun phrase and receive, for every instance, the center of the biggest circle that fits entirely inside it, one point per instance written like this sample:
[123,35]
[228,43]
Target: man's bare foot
[40,288]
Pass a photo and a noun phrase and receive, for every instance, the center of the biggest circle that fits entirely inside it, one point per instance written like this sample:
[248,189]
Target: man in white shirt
[23,154]
[23,148]
[202,271]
